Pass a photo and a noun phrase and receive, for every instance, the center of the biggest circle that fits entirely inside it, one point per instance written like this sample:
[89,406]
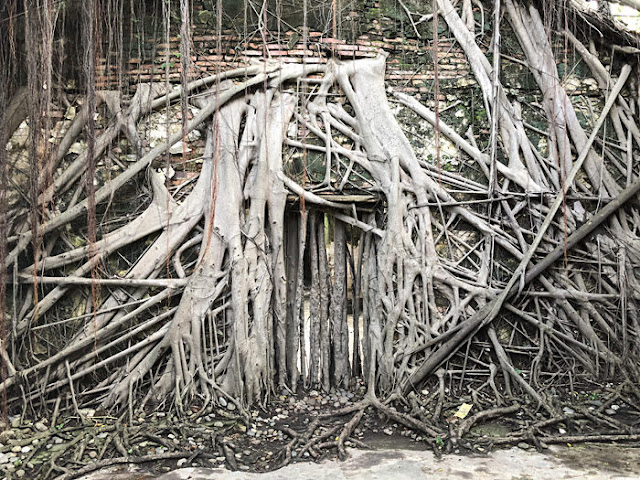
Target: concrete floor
[581,462]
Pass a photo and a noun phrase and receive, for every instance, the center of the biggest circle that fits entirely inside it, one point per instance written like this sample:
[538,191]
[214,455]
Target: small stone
[231,406]
[41,427]
[610,411]
[242,428]
[222,401]
[171,436]
[337,404]
[15,422]
[523,446]
[20,473]
[388,431]
[4,458]
[615,407]
[25,449]
[93,454]
[218,424]
[181,462]
[562,431]
[160,414]
[244,467]
[568,411]
[17,449]
[176,149]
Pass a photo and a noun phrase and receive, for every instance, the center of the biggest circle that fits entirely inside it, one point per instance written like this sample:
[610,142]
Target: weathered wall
[363,28]
[361,32]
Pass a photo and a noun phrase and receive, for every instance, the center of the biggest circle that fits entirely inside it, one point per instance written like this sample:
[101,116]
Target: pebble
[25,449]
[523,446]
[181,462]
[568,411]
[17,449]
[222,401]
[231,406]
[562,431]
[4,458]
[610,411]
[388,431]
[41,427]
[20,473]
[615,407]
[244,467]
[218,424]
[92,454]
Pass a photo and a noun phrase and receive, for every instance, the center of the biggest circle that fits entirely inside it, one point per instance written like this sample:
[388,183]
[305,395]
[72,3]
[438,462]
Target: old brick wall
[410,65]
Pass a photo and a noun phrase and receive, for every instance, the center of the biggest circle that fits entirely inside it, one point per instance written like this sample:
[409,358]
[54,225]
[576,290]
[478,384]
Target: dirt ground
[169,447]
[581,462]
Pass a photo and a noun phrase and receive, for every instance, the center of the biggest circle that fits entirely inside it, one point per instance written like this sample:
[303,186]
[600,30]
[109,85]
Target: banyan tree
[300,225]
